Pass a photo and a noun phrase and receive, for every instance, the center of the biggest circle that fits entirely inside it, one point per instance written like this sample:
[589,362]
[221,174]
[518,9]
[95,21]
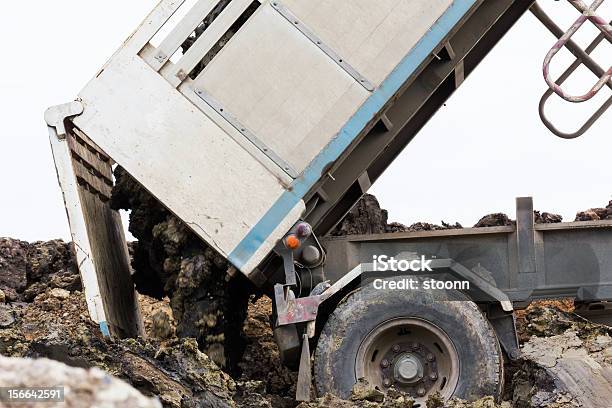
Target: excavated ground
[43,314]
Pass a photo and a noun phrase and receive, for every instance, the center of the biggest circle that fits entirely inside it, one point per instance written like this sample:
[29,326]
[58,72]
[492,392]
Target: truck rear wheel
[411,341]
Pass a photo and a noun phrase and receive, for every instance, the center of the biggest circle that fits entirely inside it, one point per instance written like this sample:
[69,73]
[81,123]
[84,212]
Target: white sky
[486,147]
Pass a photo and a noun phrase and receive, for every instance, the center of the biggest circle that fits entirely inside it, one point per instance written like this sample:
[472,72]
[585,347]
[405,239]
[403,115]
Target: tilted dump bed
[232,149]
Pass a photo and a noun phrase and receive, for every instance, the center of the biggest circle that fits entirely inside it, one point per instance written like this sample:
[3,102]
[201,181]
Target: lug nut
[387,382]
[433,376]
[384,363]
[430,357]
[421,391]
[396,348]
[415,345]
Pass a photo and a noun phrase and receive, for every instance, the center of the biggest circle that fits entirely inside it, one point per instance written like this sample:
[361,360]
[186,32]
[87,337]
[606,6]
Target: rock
[578,375]
[2,296]
[162,326]
[13,265]
[546,218]
[364,396]
[425,226]
[501,220]
[486,402]
[59,293]
[494,220]
[595,214]
[363,391]
[565,363]
[253,394]
[82,388]
[435,401]
[395,227]
[7,317]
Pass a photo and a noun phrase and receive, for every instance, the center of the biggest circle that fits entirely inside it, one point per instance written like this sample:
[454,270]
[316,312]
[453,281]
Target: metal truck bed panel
[525,261]
[251,77]
[291,90]
[373,36]
[182,157]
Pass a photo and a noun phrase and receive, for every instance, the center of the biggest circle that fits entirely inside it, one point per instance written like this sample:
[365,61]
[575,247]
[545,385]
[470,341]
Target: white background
[486,147]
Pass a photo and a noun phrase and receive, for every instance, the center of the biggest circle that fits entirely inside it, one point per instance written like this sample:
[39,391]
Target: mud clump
[170,260]
[26,270]
[364,395]
[595,214]
[494,220]
[546,218]
[546,318]
[366,217]
[261,360]
[502,220]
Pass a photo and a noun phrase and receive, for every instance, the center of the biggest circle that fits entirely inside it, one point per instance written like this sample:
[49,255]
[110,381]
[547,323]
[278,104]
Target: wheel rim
[410,354]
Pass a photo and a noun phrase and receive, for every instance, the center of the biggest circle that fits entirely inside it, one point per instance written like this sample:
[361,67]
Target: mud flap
[85,177]
[304,382]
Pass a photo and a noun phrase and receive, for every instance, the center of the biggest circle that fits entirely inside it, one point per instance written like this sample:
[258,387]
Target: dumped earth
[55,325]
[170,260]
[366,217]
[188,359]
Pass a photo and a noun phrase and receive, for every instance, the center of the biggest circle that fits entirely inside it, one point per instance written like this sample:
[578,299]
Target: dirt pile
[567,361]
[261,359]
[366,217]
[502,220]
[364,396]
[53,322]
[29,269]
[170,260]
[545,318]
[56,326]
[595,214]
[43,314]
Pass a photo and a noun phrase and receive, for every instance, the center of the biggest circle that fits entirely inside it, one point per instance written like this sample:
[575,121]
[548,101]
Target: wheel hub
[411,367]
[408,368]
[410,354]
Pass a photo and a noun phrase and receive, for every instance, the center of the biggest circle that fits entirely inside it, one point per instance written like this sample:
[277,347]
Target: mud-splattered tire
[339,355]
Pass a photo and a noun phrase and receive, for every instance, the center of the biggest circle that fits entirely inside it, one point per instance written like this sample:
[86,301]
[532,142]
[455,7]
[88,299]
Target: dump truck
[263,134]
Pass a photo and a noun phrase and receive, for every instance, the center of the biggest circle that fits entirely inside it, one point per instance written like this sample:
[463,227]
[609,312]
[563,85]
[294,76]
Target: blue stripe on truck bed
[353,128]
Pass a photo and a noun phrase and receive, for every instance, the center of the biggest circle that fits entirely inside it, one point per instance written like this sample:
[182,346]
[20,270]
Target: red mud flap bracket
[291,311]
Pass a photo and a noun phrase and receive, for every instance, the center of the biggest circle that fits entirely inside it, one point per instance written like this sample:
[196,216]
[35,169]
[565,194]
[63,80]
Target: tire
[369,319]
